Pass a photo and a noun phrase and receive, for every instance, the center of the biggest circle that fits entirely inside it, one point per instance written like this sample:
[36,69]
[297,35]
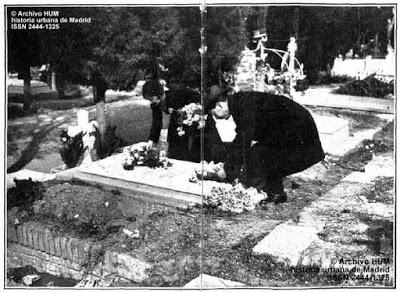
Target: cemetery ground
[174,245]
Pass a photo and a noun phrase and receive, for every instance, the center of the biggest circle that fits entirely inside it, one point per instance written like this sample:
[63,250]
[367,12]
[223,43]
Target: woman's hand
[211,171]
[221,172]
[149,145]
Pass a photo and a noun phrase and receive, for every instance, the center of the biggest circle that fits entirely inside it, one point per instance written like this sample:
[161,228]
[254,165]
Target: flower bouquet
[190,118]
[208,171]
[233,198]
[138,155]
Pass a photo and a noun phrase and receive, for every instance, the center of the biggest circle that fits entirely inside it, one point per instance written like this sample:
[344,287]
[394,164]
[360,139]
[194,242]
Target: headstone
[53,81]
[83,118]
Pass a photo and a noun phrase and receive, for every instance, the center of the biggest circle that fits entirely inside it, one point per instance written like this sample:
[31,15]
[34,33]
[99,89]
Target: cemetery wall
[362,67]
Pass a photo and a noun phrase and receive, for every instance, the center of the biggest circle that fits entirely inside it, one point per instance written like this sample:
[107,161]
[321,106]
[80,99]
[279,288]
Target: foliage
[71,149]
[325,32]
[107,145]
[121,43]
[329,79]
[24,194]
[370,86]
[226,37]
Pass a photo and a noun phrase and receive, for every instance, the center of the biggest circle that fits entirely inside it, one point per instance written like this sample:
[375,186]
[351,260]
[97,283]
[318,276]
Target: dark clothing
[286,135]
[156,123]
[153,88]
[186,147]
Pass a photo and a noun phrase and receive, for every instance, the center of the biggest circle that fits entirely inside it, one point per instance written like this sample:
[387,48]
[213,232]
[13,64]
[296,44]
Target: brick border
[31,243]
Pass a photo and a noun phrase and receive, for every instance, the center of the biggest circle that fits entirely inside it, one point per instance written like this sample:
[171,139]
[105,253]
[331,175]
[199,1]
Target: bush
[72,148]
[370,86]
[24,194]
[329,79]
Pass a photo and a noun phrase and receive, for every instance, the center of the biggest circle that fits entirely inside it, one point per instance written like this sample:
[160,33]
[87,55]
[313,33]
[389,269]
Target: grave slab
[168,186]
[327,98]
[382,165]
[287,242]
[332,132]
[210,282]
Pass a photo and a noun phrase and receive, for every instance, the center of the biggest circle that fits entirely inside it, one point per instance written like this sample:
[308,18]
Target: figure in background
[185,147]
[153,91]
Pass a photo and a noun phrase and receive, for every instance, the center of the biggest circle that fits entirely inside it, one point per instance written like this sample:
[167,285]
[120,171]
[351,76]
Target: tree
[226,37]
[23,47]
[326,32]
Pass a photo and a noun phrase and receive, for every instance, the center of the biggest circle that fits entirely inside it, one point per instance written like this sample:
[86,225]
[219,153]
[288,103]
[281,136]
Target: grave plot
[145,243]
[338,135]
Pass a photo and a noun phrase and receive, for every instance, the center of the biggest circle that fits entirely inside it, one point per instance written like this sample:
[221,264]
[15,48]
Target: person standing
[185,147]
[153,91]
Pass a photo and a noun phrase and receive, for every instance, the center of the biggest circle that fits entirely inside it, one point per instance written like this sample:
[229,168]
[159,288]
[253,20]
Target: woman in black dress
[186,147]
[261,138]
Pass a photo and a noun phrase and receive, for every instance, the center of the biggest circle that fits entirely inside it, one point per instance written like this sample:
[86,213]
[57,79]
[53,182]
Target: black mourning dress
[286,137]
[179,147]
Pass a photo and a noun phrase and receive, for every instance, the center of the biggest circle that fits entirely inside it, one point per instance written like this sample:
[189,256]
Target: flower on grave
[233,198]
[190,118]
[139,156]
[181,132]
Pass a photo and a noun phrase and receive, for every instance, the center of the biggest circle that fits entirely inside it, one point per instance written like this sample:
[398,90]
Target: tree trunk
[263,18]
[296,23]
[27,99]
[100,111]
[101,119]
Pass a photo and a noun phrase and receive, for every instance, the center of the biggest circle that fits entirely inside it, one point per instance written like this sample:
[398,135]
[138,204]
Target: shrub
[24,194]
[370,86]
[72,148]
